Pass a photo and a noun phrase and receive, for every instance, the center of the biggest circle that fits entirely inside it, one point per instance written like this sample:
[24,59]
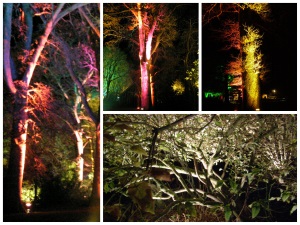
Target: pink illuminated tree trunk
[145,51]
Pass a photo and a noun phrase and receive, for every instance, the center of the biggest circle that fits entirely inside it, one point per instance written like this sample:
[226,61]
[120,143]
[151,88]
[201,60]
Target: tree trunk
[14,179]
[143,62]
[152,91]
[144,86]
[95,198]
[80,161]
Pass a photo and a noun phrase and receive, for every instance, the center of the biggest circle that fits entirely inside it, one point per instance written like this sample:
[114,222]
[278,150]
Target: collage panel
[199,167]
[71,70]
[249,56]
[51,112]
[150,56]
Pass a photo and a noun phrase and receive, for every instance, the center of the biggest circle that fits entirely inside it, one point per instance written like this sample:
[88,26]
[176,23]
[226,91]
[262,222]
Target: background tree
[116,73]
[84,74]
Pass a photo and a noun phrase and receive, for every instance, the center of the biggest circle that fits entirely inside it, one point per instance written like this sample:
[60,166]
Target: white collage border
[135,112]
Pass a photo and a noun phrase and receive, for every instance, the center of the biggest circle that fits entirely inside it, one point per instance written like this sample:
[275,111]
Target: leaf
[138,149]
[114,210]
[191,209]
[108,186]
[274,198]
[219,183]
[137,164]
[141,194]
[285,196]
[243,181]
[228,213]
[255,209]
[120,128]
[293,209]
[163,148]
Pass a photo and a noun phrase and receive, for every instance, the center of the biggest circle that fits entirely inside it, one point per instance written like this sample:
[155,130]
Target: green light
[212,94]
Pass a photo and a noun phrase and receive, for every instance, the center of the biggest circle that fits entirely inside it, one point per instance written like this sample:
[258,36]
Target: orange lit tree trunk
[13,182]
[18,88]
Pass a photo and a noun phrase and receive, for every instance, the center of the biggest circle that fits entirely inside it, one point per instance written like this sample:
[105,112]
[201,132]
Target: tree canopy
[239,166]
[51,70]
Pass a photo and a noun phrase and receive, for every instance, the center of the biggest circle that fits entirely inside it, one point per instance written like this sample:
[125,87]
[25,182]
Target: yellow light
[253,65]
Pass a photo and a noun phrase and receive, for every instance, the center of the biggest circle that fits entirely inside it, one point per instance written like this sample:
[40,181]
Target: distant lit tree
[192,80]
[116,74]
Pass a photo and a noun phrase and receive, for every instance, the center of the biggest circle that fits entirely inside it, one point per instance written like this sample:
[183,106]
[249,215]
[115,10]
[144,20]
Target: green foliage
[255,206]
[193,74]
[28,192]
[138,149]
[116,75]
[215,161]
[141,194]
[227,212]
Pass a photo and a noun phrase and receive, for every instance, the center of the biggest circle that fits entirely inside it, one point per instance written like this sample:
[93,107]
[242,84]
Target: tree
[217,162]
[116,72]
[94,116]
[253,67]
[85,79]
[154,26]
[232,33]
[18,82]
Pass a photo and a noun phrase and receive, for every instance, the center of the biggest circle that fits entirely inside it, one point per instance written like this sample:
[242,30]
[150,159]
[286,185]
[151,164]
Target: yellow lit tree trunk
[252,64]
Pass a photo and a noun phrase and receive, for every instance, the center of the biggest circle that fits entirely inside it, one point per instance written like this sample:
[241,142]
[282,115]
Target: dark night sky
[279,48]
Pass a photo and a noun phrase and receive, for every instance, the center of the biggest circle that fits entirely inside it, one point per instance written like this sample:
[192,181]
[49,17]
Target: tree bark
[14,179]
[95,198]
[143,61]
